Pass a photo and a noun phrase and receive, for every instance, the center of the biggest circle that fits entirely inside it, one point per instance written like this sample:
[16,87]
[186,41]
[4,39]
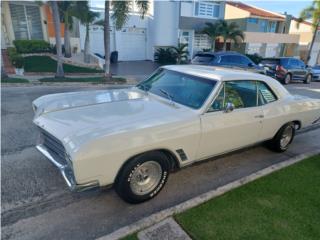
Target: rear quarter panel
[291,108]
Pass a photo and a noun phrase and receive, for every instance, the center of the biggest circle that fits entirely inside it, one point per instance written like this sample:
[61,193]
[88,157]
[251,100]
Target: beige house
[305,32]
[30,20]
[266,33]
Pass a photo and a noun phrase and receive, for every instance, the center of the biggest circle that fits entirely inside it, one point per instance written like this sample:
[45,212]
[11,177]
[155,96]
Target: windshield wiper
[168,95]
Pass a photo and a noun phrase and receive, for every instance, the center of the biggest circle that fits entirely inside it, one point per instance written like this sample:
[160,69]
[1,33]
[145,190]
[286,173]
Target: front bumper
[67,172]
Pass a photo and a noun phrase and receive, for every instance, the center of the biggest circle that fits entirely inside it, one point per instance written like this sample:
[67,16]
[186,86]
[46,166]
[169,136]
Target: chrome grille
[54,146]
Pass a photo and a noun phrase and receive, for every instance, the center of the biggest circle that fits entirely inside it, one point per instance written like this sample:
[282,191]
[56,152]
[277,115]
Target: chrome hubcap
[287,79]
[286,137]
[145,178]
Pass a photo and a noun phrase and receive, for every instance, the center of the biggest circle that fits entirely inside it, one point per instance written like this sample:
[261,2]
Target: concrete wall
[232,12]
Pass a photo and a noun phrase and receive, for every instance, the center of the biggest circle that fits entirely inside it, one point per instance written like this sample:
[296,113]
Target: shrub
[256,58]
[32,46]
[165,56]
[17,61]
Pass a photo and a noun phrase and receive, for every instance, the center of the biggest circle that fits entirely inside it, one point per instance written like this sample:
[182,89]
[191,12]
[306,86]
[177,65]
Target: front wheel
[283,138]
[143,177]
[308,79]
[287,79]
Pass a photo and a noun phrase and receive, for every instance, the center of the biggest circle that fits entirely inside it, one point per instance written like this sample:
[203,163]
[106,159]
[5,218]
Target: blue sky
[293,7]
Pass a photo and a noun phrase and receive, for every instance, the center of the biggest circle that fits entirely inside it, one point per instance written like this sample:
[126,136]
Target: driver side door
[226,131]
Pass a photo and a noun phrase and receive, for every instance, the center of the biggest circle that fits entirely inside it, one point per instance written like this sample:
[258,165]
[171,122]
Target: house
[167,23]
[31,20]
[266,33]
[305,31]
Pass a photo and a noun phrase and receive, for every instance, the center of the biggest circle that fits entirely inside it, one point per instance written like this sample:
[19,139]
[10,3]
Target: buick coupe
[133,138]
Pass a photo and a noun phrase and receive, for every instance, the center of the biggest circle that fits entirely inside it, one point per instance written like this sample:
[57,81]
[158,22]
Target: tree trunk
[213,45]
[312,42]
[87,46]
[3,71]
[67,44]
[224,45]
[107,73]
[56,20]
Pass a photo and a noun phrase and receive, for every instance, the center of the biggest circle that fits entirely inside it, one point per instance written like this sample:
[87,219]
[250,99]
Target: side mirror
[229,107]
[250,65]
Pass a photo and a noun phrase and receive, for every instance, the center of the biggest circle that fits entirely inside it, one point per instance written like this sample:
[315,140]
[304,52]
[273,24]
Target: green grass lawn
[14,80]
[283,205]
[84,79]
[47,64]
[131,237]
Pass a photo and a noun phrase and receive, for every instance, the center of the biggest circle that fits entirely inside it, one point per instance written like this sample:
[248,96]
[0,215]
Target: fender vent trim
[182,154]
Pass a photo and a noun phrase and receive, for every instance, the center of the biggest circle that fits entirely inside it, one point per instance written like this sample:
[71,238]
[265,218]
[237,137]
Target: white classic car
[132,138]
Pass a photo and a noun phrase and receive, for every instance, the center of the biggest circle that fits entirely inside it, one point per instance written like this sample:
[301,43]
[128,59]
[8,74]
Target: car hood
[81,116]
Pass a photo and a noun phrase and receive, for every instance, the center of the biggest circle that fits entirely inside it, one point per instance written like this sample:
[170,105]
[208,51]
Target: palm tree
[181,52]
[212,31]
[86,17]
[66,9]
[313,11]
[120,16]
[56,21]
[230,32]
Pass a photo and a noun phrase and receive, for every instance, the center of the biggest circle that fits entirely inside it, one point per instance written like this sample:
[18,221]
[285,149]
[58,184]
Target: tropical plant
[229,32]
[86,17]
[311,12]
[181,52]
[165,56]
[56,21]
[212,30]
[66,10]
[120,16]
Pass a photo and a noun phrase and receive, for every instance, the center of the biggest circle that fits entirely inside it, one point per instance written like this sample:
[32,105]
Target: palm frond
[143,6]
[120,12]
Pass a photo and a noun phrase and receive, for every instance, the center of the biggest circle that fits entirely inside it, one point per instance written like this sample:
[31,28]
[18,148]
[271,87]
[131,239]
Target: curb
[159,216]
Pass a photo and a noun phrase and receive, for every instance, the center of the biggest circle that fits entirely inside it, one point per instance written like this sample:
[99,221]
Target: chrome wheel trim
[286,137]
[287,79]
[309,78]
[146,177]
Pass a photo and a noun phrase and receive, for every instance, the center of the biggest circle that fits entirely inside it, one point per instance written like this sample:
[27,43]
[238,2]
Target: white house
[167,23]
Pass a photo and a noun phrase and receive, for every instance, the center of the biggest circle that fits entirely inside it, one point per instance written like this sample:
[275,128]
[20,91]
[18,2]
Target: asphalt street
[36,203]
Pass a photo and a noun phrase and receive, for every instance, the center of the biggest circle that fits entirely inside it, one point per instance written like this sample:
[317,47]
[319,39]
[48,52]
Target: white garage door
[131,44]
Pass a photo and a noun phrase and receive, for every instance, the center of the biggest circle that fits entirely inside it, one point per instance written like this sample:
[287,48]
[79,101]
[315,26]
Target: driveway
[36,204]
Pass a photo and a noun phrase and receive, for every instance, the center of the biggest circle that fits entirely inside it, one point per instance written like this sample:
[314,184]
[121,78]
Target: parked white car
[132,138]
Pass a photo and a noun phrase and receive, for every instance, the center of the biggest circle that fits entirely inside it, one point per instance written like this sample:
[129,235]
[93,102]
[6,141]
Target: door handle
[259,116]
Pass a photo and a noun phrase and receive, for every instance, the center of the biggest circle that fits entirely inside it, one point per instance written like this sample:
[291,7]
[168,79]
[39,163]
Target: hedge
[32,46]
[16,59]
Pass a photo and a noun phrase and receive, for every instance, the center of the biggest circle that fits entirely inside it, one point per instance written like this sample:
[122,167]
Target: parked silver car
[316,73]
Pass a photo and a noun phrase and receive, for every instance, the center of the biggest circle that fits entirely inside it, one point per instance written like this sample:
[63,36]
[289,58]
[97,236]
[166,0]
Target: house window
[184,37]
[209,10]
[252,20]
[272,27]
[262,25]
[26,21]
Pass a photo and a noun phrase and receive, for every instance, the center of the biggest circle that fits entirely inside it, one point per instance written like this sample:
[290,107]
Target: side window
[227,59]
[218,103]
[245,61]
[241,94]
[265,94]
[301,64]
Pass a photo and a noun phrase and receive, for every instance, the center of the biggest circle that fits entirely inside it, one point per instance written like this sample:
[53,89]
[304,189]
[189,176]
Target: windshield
[178,87]
[203,58]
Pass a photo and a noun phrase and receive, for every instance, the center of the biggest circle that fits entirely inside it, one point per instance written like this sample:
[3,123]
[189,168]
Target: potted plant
[18,63]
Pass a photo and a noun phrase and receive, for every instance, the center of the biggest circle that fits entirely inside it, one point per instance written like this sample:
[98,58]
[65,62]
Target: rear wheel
[287,79]
[143,177]
[308,79]
[283,138]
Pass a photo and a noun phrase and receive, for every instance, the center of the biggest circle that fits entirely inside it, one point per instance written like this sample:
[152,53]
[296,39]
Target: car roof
[220,53]
[216,73]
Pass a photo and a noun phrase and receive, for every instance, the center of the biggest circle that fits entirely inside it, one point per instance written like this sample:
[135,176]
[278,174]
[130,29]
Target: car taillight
[279,68]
